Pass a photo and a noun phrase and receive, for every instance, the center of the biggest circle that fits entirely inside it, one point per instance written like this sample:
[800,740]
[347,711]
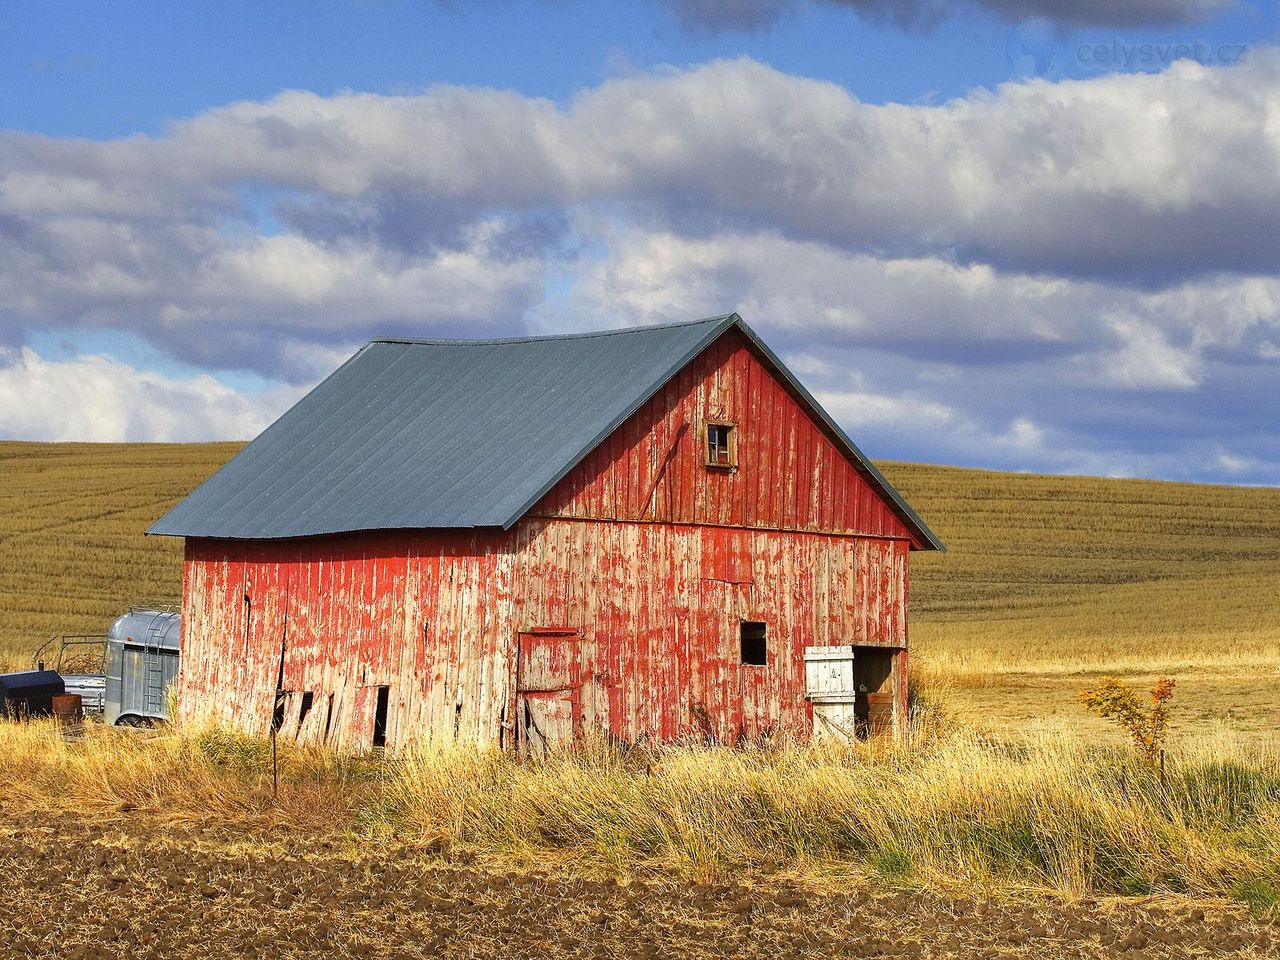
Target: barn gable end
[790,474]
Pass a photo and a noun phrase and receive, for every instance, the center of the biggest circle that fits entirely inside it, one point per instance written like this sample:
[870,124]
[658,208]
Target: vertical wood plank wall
[790,475]
[652,557]
[435,617]
[426,614]
[658,608]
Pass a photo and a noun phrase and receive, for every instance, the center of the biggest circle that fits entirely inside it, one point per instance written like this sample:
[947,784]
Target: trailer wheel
[133,720]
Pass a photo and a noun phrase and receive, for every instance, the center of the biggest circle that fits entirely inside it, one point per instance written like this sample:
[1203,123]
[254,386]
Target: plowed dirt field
[130,888]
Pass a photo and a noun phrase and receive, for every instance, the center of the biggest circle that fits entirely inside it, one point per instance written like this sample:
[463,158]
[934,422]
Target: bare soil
[132,888]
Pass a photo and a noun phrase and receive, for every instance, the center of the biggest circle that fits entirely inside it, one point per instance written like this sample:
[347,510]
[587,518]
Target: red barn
[654,533]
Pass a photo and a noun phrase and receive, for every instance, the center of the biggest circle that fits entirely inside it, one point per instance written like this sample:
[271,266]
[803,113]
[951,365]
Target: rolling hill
[1047,580]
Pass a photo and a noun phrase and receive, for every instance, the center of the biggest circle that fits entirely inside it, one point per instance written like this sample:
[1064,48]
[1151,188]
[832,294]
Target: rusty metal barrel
[68,708]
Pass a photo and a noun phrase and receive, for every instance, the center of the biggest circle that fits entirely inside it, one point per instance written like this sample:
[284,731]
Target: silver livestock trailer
[142,664]
[126,675]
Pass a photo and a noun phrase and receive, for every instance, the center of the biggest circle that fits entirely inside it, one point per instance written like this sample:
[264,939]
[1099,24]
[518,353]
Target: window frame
[731,436]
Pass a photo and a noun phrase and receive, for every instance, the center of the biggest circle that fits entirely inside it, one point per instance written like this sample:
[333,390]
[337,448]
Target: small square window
[754,648]
[722,445]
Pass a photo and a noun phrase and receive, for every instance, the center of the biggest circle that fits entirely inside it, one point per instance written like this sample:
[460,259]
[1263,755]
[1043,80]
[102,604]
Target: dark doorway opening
[307,699]
[874,688]
[380,717]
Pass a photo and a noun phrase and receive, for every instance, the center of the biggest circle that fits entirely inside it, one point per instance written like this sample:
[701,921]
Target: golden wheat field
[992,828]
[72,551]
[1048,582]
[1052,581]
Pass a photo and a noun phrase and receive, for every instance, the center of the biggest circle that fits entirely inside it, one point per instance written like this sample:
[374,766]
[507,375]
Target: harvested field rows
[72,551]
[1049,582]
[1085,573]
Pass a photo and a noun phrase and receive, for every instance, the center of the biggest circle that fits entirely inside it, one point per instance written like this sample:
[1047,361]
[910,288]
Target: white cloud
[855,410]
[924,357]
[924,307]
[1051,274]
[1023,435]
[1235,465]
[1166,174]
[1146,359]
[96,398]
[911,420]
[258,302]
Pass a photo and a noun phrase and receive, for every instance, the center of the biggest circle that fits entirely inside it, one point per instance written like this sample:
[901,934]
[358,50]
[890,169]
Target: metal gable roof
[451,433]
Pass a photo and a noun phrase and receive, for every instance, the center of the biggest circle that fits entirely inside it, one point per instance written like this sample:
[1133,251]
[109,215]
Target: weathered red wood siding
[658,609]
[435,618]
[649,556]
[790,475]
[425,613]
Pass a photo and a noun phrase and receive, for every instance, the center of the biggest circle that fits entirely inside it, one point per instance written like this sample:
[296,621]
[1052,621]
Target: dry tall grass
[934,810]
[1054,813]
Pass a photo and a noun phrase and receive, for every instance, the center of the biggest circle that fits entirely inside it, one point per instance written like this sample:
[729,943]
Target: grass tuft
[1262,896]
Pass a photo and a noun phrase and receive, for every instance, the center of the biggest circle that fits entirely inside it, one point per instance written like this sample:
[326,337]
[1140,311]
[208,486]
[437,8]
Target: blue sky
[87,69]
[1026,236]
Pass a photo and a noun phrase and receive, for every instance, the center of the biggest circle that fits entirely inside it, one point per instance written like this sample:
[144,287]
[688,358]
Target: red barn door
[548,690]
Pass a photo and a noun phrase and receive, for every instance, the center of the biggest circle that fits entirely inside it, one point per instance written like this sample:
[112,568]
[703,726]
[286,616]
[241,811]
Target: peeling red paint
[790,475]
[619,598]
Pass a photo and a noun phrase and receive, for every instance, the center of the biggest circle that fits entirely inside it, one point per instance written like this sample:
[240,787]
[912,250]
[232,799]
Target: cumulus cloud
[1140,175]
[717,15]
[251,301]
[862,409]
[928,308]
[1144,177]
[937,360]
[99,399]
[1047,274]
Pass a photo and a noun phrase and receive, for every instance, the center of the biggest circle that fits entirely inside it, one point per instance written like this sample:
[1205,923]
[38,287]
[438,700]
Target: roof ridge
[616,331]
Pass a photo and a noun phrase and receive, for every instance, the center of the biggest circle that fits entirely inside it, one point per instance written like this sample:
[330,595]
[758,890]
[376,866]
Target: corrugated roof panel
[436,433]
[414,434]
